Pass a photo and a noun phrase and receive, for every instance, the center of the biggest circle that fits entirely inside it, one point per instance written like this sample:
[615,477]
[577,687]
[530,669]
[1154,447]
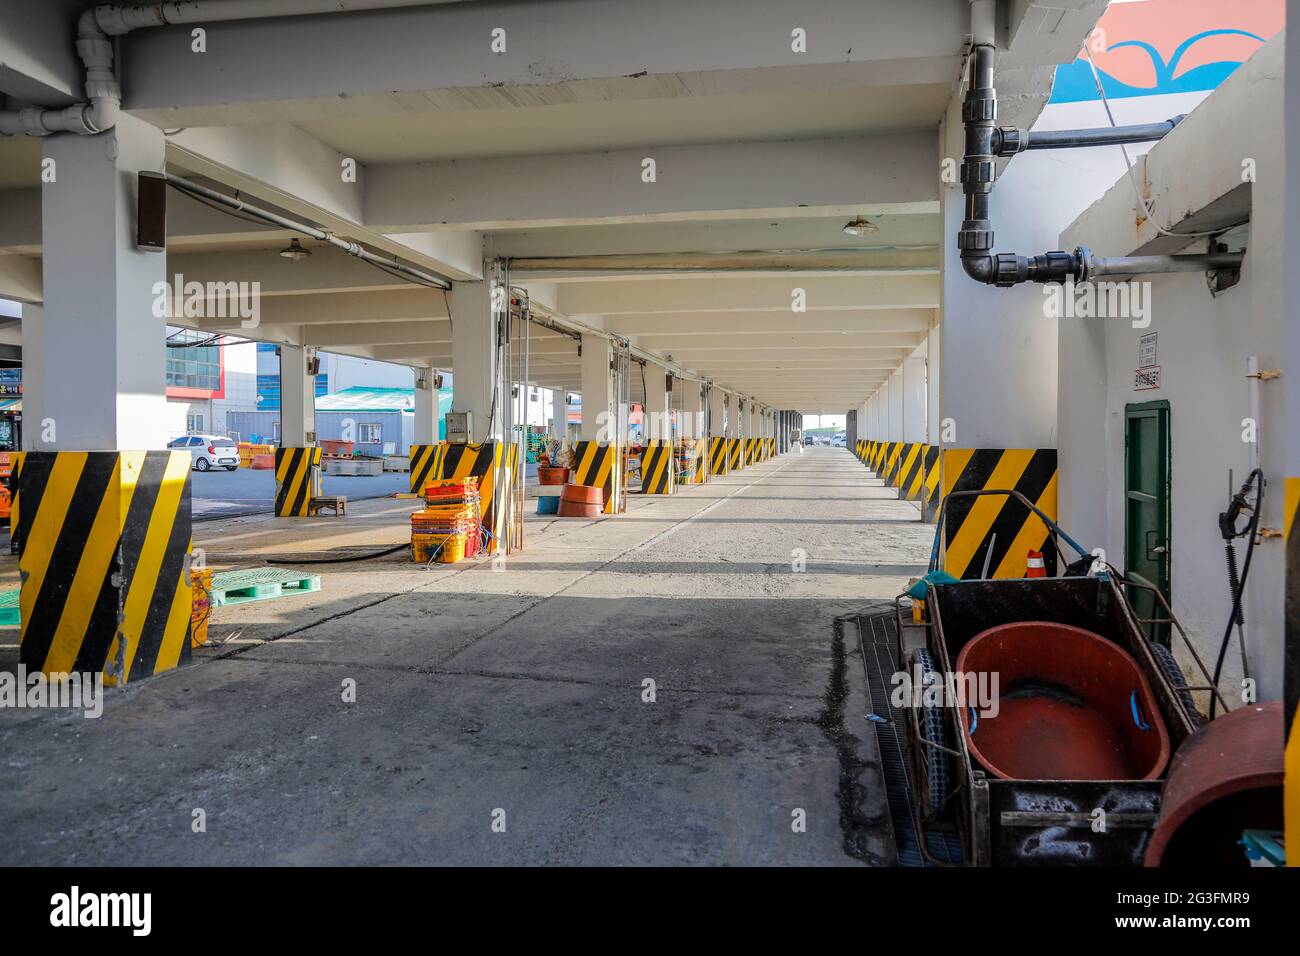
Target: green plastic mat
[9,608]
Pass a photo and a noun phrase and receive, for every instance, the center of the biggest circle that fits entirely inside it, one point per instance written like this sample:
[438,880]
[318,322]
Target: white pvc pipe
[983,22]
[117,19]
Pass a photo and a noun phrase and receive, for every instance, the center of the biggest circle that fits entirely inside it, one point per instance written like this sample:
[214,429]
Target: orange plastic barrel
[1225,778]
[1071,705]
[581,501]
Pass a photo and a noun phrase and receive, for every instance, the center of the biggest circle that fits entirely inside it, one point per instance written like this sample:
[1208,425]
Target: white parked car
[839,441]
[209,451]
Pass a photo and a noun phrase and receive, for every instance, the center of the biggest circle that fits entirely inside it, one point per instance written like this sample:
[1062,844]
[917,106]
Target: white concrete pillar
[717,412]
[1021,357]
[426,406]
[597,390]
[474,359]
[914,397]
[560,414]
[658,425]
[896,405]
[33,333]
[692,409]
[933,382]
[735,417]
[297,397]
[105,310]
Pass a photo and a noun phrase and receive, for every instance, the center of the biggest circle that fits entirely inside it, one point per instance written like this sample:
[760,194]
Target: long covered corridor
[518,688]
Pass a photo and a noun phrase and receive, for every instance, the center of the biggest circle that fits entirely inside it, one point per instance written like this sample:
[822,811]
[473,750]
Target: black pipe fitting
[984,143]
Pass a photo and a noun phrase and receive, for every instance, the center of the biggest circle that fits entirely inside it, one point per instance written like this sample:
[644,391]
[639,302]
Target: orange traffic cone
[1034,566]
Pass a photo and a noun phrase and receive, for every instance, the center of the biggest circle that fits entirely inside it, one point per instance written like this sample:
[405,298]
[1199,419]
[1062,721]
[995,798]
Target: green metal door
[1146,506]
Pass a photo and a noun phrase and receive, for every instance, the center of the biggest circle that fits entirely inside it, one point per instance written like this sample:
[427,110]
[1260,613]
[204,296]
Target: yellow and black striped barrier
[910,476]
[878,459]
[657,467]
[596,465]
[973,526]
[736,451]
[751,451]
[293,480]
[423,458]
[699,459]
[891,462]
[719,459]
[15,470]
[930,484]
[105,543]
[482,460]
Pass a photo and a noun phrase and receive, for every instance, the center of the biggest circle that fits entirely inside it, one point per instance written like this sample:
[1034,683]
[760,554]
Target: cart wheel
[933,729]
[1169,667]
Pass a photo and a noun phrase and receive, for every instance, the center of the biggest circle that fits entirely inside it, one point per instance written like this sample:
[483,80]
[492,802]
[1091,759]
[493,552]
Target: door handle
[1154,551]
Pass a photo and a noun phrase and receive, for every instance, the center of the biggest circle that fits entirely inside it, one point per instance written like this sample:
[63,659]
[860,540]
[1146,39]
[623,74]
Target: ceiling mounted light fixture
[860,226]
[294,251]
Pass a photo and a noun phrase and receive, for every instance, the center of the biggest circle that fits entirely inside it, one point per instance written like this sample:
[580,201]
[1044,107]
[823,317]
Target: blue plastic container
[548,504]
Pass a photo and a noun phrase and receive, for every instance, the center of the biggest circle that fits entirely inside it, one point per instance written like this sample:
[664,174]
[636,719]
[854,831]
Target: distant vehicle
[809,440]
[208,451]
[840,441]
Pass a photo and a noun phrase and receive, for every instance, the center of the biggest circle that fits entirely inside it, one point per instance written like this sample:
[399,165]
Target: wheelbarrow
[1006,803]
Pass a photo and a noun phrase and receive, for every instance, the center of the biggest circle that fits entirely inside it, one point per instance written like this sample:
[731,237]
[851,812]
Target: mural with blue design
[1155,47]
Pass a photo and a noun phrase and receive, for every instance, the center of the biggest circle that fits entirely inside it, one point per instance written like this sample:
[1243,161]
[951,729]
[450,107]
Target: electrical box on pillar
[460,426]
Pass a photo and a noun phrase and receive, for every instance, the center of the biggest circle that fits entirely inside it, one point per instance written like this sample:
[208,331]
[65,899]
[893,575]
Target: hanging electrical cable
[1237,585]
[1128,163]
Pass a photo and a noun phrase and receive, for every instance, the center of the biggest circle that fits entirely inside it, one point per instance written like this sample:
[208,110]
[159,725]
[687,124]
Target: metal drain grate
[877,631]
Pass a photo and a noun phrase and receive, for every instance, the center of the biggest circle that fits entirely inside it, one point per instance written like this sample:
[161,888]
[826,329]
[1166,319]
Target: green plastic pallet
[9,608]
[260,584]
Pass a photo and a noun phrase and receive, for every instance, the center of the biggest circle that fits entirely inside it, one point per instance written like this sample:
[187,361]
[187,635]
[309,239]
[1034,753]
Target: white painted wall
[1203,344]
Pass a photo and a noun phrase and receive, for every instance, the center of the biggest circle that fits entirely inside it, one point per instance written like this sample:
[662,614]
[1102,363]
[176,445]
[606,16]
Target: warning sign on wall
[1147,350]
[1145,379]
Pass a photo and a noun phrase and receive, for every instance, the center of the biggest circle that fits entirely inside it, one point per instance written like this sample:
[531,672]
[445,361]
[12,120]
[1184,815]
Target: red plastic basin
[1065,706]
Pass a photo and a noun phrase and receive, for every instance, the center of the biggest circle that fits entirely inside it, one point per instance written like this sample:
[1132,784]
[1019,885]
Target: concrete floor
[517,689]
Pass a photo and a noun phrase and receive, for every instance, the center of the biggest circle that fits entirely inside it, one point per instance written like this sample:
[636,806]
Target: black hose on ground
[341,559]
[1237,616]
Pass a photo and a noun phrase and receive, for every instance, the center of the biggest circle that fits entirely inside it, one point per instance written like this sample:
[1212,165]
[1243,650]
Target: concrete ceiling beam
[742,293]
[563,51]
[791,340]
[289,169]
[712,323]
[717,181]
